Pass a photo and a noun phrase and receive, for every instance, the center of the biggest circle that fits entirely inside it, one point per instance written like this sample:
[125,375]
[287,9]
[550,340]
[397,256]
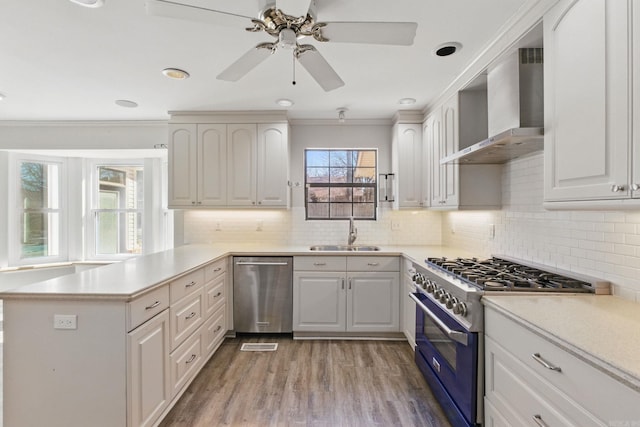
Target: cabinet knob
[259,203]
[617,188]
[199,203]
[193,202]
[635,187]
[539,421]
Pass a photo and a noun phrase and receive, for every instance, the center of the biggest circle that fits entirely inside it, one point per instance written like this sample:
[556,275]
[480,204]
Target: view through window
[340,184]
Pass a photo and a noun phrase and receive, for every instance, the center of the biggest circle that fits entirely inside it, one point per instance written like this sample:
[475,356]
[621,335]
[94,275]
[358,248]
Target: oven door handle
[457,336]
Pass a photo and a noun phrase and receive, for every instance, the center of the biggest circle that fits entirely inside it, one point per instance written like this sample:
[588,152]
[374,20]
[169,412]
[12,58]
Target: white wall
[604,244]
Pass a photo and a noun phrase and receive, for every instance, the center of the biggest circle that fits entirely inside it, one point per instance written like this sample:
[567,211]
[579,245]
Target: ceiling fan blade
[294,7]
[319,68]
[247,62]
[178,10]
[393,33]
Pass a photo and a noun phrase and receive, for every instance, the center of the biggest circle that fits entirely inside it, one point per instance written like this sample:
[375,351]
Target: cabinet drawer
[145,307]
[214,295]
[185,361]
[215,269]
[213,332]
[320,263]
[607,398]
[185,285]
[373,263]
[521,395]
[186,317]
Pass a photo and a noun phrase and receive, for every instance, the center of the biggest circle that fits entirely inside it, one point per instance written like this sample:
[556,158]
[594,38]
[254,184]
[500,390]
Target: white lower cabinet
[346,301]
[148,366]
[531,381]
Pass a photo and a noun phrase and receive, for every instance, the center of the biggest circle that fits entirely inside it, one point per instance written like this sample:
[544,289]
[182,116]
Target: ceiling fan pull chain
[294,68]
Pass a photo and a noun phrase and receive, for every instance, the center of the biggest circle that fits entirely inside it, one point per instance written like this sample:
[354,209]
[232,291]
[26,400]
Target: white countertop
[602,330]
[128,279]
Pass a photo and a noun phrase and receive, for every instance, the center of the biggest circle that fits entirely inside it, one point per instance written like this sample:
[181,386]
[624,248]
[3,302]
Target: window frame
[16,212]
[352,185]
[92,210]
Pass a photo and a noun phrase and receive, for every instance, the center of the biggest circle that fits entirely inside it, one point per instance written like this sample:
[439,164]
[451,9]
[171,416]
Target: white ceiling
[62,61]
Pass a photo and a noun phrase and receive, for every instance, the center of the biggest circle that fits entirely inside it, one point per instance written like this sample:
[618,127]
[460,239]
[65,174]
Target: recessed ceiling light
[126,103]
[283,102]
[175,73]
[407,101]
[89,3]
[2,96]
[447,49]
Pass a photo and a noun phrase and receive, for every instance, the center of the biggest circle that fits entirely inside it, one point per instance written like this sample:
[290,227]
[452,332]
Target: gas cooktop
[499,274]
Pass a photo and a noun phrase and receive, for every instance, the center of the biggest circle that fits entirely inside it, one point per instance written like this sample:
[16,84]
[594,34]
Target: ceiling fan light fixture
[283,102]
[89,3]
[175,73]
[287,39]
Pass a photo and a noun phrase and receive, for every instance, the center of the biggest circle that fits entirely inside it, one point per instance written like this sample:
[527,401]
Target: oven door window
[443,344]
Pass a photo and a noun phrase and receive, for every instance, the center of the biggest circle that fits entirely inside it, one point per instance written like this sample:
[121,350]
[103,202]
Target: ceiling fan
[290,21]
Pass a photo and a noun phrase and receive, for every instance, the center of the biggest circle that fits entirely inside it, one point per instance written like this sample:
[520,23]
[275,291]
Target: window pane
[318,210]
[118,233]
[317,158]
[341,210]
[340,194]
[367,175]
[364,194]
[40,235]
[318,194]
[364,210]
[124,184]
[39,185]
[339,159]
[317,175]
[340,175]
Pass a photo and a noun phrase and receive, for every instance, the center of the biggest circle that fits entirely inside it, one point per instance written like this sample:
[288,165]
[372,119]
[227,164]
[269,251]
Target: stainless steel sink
[344,248]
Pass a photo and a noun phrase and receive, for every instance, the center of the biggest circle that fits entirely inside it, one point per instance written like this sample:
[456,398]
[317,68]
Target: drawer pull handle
[217,295]
[373,264]
[152,306]
[190,316]
[191,359]
[319,264]
[188,285]
[539,421]
[540,360]
[215,270]
[218,328]
[342,283]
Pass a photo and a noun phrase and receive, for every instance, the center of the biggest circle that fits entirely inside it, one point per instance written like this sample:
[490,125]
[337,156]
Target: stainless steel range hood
[515,112]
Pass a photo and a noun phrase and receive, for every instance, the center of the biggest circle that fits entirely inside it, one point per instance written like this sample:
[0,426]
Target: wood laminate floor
[309,383]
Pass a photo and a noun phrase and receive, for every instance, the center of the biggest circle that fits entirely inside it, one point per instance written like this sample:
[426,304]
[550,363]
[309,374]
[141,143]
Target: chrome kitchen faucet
[353,232]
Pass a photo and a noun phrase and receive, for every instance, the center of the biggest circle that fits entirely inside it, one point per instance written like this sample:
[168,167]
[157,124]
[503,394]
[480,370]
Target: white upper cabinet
[433,146]
[228,165]
[242,161]
[407,164]
[588,141]
[273,165]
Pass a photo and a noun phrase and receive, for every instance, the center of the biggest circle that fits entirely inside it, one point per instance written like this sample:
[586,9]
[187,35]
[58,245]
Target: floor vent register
[260,346]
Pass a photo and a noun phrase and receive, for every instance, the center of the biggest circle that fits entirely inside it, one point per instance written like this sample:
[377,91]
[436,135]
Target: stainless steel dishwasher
[262,294]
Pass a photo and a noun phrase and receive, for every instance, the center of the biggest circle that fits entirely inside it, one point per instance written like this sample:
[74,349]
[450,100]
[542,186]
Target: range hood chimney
[515,111]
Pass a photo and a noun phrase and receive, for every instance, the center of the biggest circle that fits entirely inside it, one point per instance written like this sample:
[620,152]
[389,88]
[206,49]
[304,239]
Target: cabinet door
[273,165]
[449,143]
[586,100]
[148,388]
[408,170]
[635,149]
[373,302]
[182,165]
[433,144]
[319,301]
[408,310]
[212,165]
[241,166]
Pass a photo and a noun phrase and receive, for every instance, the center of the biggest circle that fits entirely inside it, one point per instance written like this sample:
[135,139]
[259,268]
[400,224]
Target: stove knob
[460,308]
[444,297]
[430,286]
[437,292]
[452,302]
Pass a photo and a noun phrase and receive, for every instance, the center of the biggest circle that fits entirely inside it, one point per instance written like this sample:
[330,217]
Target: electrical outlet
[65,321]
[396,225]
[218,225]
[492,231]
[260,225]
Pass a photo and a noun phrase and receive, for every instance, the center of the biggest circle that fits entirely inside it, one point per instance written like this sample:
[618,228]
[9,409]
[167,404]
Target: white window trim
[13,215]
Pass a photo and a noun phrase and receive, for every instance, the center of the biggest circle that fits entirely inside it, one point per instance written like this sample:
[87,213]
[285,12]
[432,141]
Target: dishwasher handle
[260,263]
